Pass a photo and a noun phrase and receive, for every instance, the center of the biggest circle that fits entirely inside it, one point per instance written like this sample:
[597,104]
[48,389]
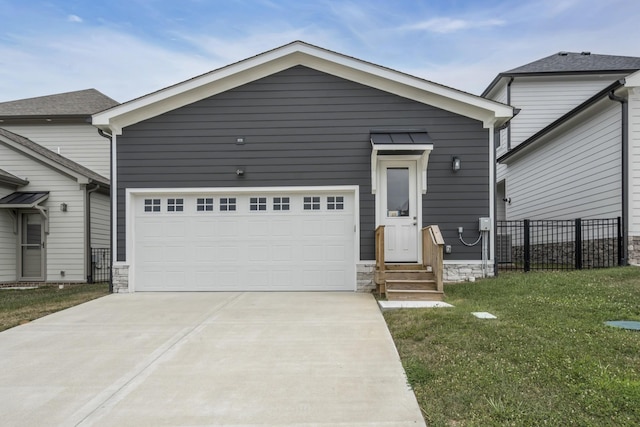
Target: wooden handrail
[433,252]
[380,248]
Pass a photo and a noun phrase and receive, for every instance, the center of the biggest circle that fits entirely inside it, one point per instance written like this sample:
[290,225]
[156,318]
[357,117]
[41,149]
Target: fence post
[620,241]
[578,249]
[527,251]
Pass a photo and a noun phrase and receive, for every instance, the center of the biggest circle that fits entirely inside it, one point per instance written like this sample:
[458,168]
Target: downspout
[106,135]
[625,172]
[509,123]
[88,262]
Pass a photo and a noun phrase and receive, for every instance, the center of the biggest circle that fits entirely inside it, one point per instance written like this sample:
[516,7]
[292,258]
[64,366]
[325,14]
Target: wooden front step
[414,295]
[412,285]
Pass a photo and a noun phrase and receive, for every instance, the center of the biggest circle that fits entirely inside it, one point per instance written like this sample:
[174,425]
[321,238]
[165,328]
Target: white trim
[463,262]
[492,195]
[421,165]
[131,193]
[114,201]
[300,53]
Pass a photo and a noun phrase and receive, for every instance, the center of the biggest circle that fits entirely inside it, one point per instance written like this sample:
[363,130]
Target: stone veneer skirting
[454,272]
[120,278]
[633,255]
[364,275]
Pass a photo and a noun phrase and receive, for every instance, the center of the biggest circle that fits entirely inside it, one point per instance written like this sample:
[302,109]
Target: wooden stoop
[413,282]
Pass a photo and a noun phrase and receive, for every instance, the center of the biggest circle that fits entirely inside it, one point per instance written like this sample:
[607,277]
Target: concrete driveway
[232,359]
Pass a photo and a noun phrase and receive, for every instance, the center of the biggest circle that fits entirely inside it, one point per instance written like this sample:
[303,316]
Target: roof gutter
[87,233]
[111,197]
[625,169]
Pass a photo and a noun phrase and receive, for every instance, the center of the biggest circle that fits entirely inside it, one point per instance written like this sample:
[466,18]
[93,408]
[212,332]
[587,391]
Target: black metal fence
[100,265]
[527,245]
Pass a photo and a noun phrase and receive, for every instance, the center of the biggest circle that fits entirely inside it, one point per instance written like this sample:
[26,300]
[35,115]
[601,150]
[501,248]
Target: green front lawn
[547,360]
[18,306]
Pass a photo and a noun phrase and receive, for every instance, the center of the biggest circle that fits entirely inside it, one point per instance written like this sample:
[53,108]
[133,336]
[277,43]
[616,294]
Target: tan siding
[576,175]
[634,161]
[7,243]
[99,220]
[65,242]
[80,143]
[543,101]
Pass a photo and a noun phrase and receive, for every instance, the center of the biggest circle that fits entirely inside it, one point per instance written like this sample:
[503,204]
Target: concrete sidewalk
[232,359]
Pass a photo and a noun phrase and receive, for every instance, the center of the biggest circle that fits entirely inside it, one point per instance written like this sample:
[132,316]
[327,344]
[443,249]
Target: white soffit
[299,53]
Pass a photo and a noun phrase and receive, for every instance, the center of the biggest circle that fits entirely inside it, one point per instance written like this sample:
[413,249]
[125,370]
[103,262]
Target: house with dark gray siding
[274,173]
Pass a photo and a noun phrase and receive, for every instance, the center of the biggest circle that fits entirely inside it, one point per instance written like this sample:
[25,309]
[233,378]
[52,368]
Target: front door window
[398,192]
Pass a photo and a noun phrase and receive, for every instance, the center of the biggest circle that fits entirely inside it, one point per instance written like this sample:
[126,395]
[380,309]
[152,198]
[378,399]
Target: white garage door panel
[244,250]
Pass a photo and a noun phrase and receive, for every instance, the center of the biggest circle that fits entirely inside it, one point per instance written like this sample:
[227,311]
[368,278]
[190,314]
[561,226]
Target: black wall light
[455,164]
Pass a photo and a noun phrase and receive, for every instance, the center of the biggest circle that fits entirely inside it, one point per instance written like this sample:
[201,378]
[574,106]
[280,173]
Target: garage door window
[228,204]
[204,205]
[311,203]
[335,203]
[281,204]
[175,205]
[152,205]
[258,204]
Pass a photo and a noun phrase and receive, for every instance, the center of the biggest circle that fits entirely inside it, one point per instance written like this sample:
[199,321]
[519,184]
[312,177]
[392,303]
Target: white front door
[398,210]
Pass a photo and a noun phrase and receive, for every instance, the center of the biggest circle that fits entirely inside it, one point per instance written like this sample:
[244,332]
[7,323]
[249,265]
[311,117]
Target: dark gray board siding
[302,127]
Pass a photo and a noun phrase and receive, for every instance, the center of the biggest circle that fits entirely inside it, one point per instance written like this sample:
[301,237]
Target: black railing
[100,265]
[527,245]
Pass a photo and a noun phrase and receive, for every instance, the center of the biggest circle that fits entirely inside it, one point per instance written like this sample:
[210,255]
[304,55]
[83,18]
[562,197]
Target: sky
[128,48]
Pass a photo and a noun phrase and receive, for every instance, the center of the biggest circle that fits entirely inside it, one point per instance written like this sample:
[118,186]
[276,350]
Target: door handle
[415,223]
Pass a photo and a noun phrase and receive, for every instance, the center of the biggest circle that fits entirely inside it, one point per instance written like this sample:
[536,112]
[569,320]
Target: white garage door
[262,241]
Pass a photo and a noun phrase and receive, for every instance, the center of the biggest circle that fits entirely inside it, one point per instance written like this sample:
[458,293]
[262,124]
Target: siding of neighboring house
[303,127]
[634,161]
[78,142]
[7,242]
[65,241]
[100,231]
[543,101]
[576,175]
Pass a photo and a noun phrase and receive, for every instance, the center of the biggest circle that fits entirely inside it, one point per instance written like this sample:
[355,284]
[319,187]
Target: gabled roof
[574,62]
[570,63]
[294,54]
[79,103]
[55,160]
[7,178]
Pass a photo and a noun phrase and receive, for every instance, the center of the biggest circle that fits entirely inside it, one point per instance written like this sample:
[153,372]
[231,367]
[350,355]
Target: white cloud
[450,25]
[74,18]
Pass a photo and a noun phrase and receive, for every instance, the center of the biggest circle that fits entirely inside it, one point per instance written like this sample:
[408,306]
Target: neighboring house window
[280,203]
[228,204]
[258,204]
[311,203]
[152,205]
[204,204]
[335,203]
[175,205]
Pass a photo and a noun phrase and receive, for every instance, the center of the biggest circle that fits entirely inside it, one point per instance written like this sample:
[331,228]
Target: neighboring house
[53,208]
[274,172]
[573,150]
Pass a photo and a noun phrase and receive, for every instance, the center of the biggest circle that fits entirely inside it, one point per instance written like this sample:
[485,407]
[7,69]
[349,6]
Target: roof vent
[585,53]
[563,53]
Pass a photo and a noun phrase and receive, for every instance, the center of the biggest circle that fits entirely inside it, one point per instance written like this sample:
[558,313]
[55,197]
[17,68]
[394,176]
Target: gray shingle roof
[79,103]
[567,62]
[56,158]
